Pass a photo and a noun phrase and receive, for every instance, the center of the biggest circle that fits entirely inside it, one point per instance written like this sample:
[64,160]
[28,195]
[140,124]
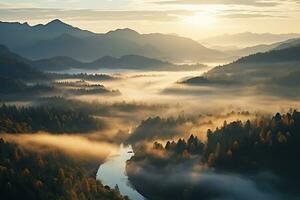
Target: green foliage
[290,54]
[99,108]
[16,67]
[261,145]
[257,145]
[48,175]
[11,86]
[43,118]
[82,76]
[192,146]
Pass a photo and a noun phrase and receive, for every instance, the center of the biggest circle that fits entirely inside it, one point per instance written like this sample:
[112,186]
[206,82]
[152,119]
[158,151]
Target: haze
[192,18]
[149,99]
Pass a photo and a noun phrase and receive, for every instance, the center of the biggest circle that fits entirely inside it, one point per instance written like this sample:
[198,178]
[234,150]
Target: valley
[147,116]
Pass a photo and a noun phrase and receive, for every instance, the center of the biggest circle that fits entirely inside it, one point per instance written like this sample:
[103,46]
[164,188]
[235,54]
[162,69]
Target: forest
[15,119]
[48,175]
[247,149]
[149,100]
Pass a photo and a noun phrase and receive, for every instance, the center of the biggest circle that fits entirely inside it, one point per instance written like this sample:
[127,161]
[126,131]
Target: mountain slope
[17,67]
[130,62]
[261,48]
[287,44]
[291,80]
[10,86]
[253,49]
[261,65]
[178,48]
[63,45]
[57,63]
[291,54]
[256,68]
[60,39]
[248,39]
[17,36]
[135,62]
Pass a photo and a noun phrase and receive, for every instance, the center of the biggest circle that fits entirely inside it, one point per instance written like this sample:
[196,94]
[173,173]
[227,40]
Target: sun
[200,20]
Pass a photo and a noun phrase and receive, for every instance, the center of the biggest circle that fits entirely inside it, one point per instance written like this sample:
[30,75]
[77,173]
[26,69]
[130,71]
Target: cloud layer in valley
[189,179]
[78,147]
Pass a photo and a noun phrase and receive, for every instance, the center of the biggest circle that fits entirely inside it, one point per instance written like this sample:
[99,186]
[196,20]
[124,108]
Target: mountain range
[259,67]
[16,67]
[108,62]
[279,64]
[247,39]
[57,38]
[261,48]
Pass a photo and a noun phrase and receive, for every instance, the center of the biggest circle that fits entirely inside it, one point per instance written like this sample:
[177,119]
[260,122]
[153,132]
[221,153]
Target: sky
[191,18]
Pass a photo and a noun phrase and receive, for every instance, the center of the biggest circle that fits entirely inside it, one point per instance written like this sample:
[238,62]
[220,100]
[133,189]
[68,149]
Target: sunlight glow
[200,19]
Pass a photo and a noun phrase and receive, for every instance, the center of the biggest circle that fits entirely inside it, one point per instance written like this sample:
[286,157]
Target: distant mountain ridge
[289,43]
[253,49]
[135,62]
[19,35]
[289,54]
[60,39]
[270,63]
[280,65]
[247,39]
[56,63]
[16,67]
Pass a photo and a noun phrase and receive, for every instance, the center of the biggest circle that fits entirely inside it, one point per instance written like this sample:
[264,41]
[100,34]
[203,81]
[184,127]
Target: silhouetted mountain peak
[126,32]
[16,24]
[56,22]
[58,38]
[59,25]
[26,24]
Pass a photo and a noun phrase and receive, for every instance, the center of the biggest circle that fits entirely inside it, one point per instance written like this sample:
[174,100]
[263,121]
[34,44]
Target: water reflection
[112,172]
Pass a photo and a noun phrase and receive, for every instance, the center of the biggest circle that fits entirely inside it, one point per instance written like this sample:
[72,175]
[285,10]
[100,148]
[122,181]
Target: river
[113,173]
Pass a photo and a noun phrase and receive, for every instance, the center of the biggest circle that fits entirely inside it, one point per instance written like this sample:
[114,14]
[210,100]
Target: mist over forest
[134,115]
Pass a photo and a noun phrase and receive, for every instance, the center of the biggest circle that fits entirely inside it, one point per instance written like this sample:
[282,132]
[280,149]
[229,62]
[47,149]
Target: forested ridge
[31,175]
[260,145]
[290,54]
[17,87]
[15,119]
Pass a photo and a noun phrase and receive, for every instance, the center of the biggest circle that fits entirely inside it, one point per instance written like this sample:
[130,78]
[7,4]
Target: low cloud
[78,147]
[256,3]
[158,128]
[189,180]
[249,15]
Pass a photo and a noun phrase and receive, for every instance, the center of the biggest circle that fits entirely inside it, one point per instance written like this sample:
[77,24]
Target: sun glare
[200,19]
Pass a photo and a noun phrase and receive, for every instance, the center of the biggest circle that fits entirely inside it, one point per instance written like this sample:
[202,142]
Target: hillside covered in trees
[44,118]
[20,80]
[263,150]
[48,175]
[16,67]
[288,54]
[258,71]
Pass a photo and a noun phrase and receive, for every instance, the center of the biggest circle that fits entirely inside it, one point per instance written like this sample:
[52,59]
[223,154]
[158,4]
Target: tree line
[15,119]
[263,144]
[31,175]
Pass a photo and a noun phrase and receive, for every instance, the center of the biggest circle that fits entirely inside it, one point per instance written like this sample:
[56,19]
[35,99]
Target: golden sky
[193,18]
